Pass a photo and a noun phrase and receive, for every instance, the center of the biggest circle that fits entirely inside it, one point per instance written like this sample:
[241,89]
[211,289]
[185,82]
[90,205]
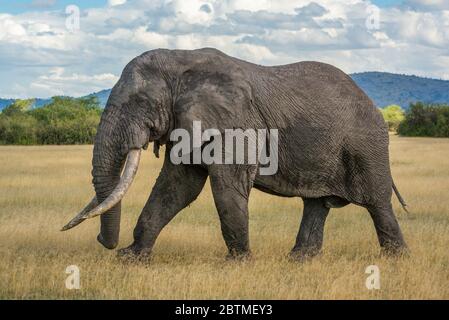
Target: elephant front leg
[310,236]
[231,186]
[176,187]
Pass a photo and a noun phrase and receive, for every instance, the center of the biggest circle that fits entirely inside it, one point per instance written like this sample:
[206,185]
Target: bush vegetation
[64,121]
[423,120]
[393,116]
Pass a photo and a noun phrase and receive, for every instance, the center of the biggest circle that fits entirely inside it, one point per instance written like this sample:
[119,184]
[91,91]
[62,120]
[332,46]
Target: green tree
[393,116]
[426,121]
[18,106]
[18,129]
[64,121]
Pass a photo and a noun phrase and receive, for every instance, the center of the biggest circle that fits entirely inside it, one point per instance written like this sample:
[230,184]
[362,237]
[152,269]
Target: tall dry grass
[42,187]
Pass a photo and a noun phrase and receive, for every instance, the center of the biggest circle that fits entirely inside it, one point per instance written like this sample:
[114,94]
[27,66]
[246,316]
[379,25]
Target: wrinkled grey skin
[333,144]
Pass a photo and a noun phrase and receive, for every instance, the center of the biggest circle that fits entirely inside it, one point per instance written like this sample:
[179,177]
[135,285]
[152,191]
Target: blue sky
[386,3]
[43,53]
[19,6]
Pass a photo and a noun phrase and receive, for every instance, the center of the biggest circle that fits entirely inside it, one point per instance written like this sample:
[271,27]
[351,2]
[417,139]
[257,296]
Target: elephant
[332,147]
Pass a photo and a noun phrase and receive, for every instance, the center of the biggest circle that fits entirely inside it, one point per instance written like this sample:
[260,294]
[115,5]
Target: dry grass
[42,187]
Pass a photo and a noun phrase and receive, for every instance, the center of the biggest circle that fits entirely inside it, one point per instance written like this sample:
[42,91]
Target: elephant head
[137,112]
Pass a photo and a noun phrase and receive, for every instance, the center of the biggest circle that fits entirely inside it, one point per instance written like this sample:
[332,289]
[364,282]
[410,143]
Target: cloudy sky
[44,53]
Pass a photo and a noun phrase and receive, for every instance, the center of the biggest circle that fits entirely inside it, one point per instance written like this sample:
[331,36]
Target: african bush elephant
[332,149]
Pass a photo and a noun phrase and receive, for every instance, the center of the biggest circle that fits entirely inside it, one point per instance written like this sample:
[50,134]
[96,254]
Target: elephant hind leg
[388,230]
[310,236]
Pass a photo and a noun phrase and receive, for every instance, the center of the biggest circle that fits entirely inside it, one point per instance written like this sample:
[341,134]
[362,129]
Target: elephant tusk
[80,216]
[93,209]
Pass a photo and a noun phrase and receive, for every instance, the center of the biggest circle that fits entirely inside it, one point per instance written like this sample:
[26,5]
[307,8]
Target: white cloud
[149,38]
[10,28]
[116,2]
[56,82]
[40,57]
[42,3]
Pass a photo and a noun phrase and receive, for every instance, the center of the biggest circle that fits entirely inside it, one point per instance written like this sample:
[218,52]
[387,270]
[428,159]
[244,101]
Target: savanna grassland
[41,188]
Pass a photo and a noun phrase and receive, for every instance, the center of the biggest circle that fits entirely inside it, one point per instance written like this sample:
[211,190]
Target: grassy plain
[42,187]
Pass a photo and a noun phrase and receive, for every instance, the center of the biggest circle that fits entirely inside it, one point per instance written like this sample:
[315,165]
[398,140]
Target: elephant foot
[132,254]
[303,255]
[238,255]
[395,251]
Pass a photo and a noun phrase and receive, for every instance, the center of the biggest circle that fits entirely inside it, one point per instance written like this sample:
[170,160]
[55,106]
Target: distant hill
[38,103]
[41,102]
[102,96]
[388,88]
[383,88]
[5,102]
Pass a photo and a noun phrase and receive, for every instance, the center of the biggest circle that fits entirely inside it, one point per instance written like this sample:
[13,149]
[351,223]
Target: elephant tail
[401,200]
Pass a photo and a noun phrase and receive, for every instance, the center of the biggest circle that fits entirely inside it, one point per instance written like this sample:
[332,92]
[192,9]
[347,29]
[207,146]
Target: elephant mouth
[94,208]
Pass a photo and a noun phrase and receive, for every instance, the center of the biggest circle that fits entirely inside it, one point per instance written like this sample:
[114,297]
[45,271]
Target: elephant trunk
[110,227]
[109,155]
[106,171]
[110,207]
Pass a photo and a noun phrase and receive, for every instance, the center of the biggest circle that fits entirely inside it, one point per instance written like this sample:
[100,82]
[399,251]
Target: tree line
[64,121]
[420,120]
[74,121]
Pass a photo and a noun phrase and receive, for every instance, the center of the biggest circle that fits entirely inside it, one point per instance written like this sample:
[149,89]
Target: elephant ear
[217,99]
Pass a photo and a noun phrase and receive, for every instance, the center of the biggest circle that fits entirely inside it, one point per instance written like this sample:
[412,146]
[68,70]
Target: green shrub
[393,116]
[64,121]
[426,121]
